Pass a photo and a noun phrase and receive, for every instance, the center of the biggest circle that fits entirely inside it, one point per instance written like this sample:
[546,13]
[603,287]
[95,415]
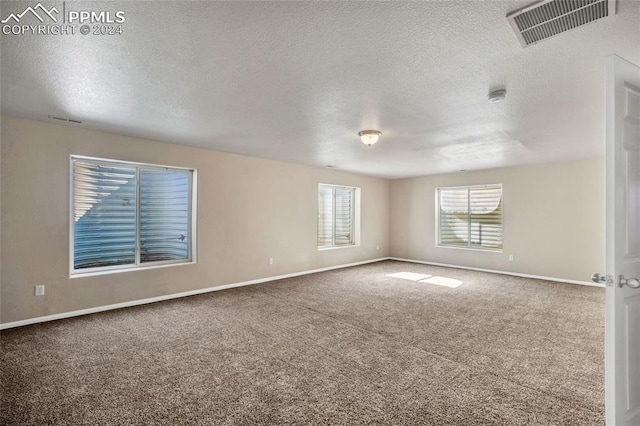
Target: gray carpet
[350,346]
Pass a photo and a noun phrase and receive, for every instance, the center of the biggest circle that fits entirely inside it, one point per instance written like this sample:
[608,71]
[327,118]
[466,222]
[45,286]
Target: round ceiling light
[369,137]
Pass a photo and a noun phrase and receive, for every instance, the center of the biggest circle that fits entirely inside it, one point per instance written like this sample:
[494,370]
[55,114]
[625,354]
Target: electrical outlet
[39,290]
[377,247]
[510,258]
[271,261]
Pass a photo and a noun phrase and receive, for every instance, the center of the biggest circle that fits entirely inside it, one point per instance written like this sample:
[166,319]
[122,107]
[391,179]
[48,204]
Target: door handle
[631,282]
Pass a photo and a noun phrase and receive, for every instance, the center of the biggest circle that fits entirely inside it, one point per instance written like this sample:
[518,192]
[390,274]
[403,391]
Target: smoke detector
[497,96]
[547,18]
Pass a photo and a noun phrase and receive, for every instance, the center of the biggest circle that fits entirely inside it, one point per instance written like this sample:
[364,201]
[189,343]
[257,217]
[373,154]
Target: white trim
[355,215]
[106,270]
[193,205]
[484,185]
[137,265]
[490,250]
[493,271]
[97,309]
[99,160]
[468,188]
[174,296]
[338,247]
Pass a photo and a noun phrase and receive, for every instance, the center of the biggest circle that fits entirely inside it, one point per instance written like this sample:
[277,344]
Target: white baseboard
[97,309]
[263,280]
[493,271]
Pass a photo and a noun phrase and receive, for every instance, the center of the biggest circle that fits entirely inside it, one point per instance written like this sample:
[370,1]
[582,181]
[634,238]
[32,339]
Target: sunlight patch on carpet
[427,279]
[411,276]
[442,281]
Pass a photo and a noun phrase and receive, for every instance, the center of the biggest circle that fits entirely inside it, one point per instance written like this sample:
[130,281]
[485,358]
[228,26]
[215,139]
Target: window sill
[133,268]
[489,250]
[338,247]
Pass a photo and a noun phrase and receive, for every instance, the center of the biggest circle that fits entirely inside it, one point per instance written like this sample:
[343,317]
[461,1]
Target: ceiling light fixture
[369,137]
[497,96]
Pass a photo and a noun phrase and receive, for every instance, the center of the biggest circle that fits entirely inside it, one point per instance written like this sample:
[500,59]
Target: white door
[622,341]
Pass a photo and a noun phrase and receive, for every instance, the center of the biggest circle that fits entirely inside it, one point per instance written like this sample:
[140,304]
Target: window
[130,216]
[470,216]
[338,212]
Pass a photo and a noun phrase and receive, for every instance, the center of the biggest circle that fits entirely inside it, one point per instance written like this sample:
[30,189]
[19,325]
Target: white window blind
[164,215]
[126,214]
[336,210]
[470,217]
[104,227]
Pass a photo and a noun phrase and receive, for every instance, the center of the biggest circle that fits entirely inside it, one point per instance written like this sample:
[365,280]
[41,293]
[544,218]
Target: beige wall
[248,210]
[554,221]
[251,209]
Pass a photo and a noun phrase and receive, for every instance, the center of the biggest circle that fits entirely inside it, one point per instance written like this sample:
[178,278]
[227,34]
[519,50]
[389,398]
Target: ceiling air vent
[548,18]
[68,120]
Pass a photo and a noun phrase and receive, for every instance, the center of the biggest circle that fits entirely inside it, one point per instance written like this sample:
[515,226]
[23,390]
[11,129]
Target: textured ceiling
[296,81]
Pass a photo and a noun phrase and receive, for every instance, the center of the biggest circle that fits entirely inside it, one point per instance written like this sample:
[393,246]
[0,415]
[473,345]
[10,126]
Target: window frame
[138,265]
[439,244]
[355,217]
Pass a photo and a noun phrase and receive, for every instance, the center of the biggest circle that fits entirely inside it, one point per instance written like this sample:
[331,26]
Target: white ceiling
[296,81]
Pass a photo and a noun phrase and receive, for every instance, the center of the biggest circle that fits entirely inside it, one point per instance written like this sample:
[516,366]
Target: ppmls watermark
[59,20]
